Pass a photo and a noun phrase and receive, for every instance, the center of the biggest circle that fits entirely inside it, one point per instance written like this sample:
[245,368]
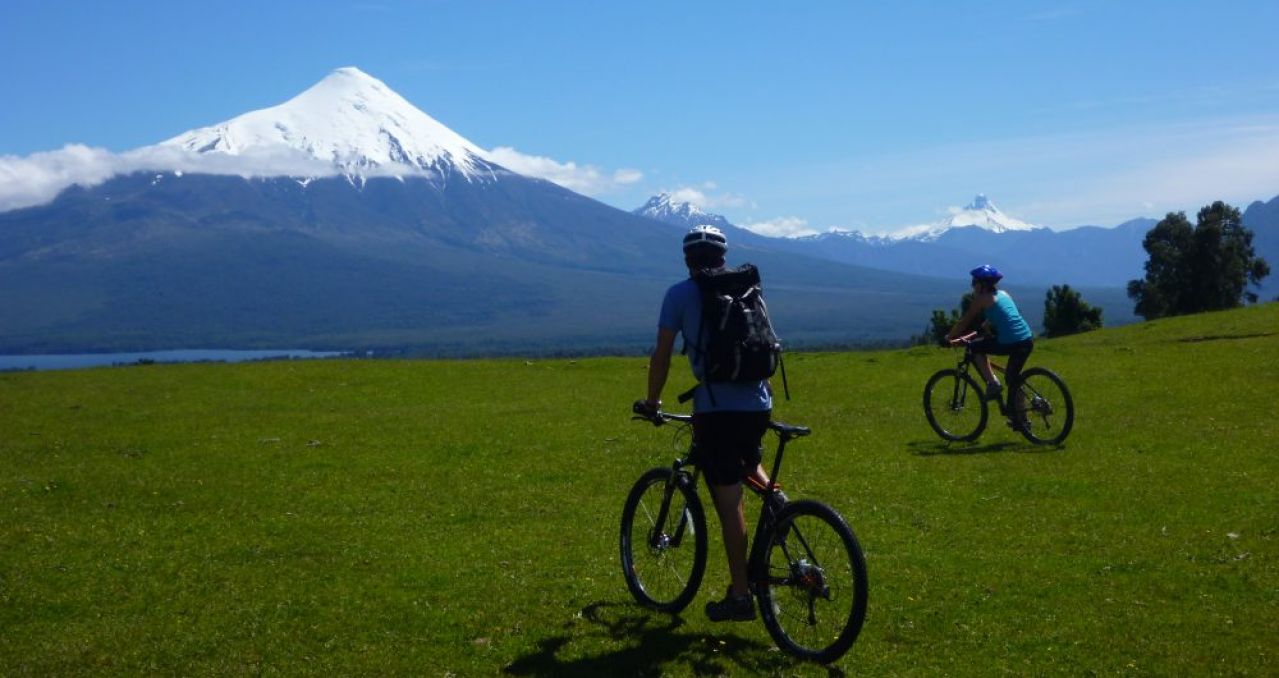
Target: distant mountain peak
[983,213]
[980,213]
[351,121]
[980,202]
[666,208]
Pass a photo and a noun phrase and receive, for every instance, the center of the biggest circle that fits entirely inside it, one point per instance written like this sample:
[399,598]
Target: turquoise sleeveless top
[1009,325]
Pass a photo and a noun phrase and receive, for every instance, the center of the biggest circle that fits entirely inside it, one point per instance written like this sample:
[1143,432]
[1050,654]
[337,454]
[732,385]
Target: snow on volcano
[665,207]
[352,124]
[981,213]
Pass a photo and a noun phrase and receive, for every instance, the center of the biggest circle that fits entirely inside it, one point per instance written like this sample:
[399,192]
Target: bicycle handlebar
[658,418]
[963,340]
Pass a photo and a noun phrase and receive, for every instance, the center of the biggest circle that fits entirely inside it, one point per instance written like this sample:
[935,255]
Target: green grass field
[460,518]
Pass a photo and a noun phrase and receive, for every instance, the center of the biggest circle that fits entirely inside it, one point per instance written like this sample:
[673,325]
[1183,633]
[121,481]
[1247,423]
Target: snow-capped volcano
[981,212]
[664,207]
[351,122]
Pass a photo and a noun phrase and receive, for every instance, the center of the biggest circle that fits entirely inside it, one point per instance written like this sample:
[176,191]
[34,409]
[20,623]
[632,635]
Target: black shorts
[1017,354]
[728,444]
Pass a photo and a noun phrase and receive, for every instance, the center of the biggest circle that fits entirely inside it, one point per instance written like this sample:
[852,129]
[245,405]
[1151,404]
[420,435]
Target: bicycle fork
[659,539]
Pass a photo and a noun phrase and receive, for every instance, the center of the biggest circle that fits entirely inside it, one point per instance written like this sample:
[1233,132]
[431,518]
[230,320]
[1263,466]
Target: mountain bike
[805,567]
[1039,407]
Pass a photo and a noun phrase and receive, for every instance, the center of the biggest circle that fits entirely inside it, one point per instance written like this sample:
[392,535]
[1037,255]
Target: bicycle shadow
[653,642]
[932,448]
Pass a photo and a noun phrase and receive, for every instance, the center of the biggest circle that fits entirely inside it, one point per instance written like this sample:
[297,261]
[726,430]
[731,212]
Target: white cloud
[626,177]
[270,161]
[39,177]
[909,231]
[691,196]
[1100,177]
[584,179]
[1184,169]
[701,198]
[781,227]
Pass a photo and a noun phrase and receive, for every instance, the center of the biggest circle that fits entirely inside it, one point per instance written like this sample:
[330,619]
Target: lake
[77,360]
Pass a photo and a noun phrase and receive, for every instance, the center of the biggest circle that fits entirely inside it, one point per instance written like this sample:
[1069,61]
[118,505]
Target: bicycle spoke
[954,405]
[661,570]
[1047,410]
[815,573]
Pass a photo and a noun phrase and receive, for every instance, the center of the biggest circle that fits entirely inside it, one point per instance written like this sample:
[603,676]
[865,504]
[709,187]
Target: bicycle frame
[969,358]
[759,546]
[805,566]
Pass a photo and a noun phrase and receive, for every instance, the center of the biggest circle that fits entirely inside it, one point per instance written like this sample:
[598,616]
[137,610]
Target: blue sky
[788,117]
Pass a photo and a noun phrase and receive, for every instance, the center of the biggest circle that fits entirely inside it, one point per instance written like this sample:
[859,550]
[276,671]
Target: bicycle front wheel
[814,590]
[1045,407]
[663,541]
[954,405]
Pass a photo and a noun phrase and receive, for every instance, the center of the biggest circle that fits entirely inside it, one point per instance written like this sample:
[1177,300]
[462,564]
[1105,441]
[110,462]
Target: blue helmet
[986,273]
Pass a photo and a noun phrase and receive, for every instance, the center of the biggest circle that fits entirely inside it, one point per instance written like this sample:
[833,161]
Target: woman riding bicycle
[1013,336]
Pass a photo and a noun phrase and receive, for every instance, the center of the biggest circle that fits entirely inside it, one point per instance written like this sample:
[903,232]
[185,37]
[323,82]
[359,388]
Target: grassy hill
[460,517]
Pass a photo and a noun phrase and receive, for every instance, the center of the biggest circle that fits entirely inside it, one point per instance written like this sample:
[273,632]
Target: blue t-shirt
[1010,327]
[682,314]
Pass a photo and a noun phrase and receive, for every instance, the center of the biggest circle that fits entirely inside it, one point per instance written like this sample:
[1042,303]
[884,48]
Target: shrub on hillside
[1065,312]
[941,322]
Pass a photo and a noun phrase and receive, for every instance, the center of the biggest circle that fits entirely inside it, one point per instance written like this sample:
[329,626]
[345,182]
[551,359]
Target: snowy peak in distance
[350,122]
[665,208]
[983,213]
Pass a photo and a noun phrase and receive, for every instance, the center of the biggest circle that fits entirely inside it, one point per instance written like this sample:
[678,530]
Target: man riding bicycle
[728,426]
[1013,336]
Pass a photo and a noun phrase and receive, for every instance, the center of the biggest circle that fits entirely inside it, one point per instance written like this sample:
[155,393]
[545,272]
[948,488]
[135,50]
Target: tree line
[1189,269]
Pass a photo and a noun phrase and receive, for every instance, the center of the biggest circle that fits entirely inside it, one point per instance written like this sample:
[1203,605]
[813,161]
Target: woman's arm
[975,308]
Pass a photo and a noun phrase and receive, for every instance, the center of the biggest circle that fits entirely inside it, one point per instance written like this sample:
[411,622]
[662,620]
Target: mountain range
[346,218]
[1086,256]
[382,230]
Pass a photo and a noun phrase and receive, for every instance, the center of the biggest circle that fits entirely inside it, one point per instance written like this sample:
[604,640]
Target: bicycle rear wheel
[663,544]
[813,592]
[954,405]
[1048,410]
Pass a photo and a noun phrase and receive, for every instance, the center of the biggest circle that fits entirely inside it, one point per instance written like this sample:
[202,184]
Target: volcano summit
[346,218]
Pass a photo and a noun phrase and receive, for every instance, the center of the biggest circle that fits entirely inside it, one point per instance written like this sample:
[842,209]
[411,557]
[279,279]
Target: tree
[1204,268]
[1065,312]
[941,322]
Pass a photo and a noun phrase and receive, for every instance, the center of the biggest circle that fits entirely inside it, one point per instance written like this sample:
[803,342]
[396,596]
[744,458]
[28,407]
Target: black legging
[1017,354]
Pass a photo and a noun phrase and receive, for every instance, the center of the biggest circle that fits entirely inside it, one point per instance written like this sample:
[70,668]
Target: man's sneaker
[731,608]
[993,390]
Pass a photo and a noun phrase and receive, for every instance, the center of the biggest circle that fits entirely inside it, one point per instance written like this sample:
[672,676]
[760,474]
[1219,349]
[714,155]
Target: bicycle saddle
[788,430]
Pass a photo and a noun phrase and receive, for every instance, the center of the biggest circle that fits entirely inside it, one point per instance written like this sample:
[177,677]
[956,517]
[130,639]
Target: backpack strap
[781,364]
[781,361]
[704,291]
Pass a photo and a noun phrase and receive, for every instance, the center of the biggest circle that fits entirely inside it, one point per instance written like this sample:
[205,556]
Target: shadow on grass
[932,448]
[653,641]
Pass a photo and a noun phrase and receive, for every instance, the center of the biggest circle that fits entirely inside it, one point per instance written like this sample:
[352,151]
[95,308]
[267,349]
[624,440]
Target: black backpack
[736,341]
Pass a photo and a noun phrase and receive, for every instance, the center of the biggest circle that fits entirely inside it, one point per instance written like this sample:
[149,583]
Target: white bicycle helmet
[705,235]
